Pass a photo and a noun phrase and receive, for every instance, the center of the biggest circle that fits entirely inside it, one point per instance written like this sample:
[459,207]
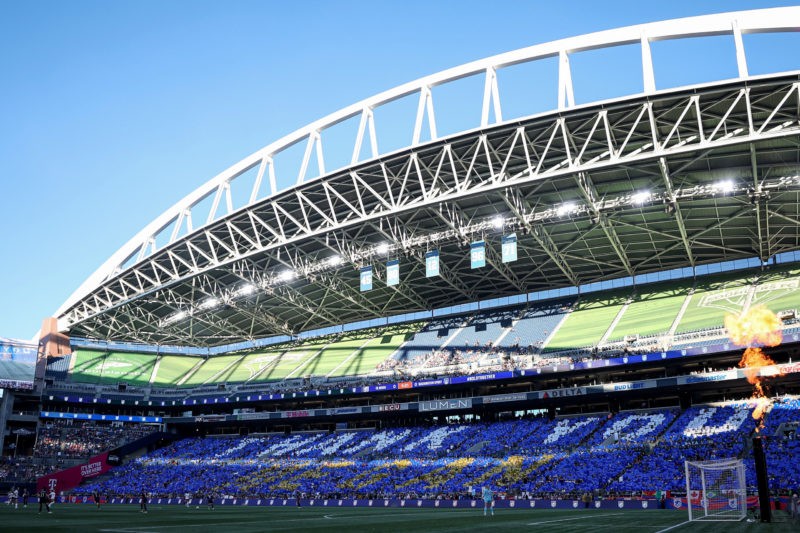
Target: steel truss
[442,195]
[595,192]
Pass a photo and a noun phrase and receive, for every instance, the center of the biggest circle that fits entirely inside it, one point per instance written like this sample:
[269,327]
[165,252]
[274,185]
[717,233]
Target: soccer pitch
[173,519]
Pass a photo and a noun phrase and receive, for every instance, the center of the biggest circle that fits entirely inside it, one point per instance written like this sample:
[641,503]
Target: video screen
[17,364]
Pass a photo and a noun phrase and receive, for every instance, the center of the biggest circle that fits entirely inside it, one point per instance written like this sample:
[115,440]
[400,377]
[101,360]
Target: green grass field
[171,519]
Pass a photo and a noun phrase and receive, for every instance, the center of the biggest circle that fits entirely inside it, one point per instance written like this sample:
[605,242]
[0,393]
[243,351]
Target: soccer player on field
[143,502]
[43,500]
[488,500]
[96,497]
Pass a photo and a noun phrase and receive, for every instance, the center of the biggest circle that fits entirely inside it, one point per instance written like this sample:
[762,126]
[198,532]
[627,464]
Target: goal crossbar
[716,490]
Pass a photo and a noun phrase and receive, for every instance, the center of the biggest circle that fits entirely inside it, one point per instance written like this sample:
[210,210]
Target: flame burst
[757,327]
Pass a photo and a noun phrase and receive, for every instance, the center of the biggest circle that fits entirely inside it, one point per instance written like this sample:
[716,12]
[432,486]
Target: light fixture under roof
[335,260]
[210,303]
[640,198]
[498,221]
[566,208]
[382,248]
[246,289]
[723,186]
[180,315]
[286,275]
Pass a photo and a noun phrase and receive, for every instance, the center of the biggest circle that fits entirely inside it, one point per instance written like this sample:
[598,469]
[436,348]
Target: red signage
[405,385]
[74,476]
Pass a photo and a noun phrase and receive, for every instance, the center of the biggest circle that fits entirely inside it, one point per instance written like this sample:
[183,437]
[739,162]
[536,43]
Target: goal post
[716,490]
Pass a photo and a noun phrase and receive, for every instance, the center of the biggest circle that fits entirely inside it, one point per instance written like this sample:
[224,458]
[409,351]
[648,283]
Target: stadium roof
[642,183]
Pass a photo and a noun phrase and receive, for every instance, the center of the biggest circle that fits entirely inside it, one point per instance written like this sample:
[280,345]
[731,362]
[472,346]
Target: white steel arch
[178,217]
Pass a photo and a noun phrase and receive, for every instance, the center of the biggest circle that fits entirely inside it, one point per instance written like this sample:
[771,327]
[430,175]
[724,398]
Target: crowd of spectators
[626,453]
[25,469]
[78,439]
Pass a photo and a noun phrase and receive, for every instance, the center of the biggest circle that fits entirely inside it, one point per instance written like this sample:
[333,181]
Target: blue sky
[113,111]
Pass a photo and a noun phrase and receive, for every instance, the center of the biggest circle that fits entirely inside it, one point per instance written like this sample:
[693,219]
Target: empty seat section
[213,370]
[291,361]
[587,324]
[58,367]
[112,367]
[483,329]
[172,368]
[713,298]
[779,291]
[252,364]
[652,311]
[430,338]
[536,324]
[365,358]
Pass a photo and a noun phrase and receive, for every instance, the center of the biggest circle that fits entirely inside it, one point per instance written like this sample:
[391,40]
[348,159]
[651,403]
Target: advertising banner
[74,476]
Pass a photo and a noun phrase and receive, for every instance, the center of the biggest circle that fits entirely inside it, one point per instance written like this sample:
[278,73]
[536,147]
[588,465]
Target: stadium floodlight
[498,221]
[180,315]
[246,290]
[335,260]
[210,303]
[724,186]
[382,248]
[286,275]
[640,198]
[566,208]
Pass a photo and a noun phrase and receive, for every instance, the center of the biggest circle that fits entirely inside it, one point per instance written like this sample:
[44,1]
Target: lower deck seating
[621,453]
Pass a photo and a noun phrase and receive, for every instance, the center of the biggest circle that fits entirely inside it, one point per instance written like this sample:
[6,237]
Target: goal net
[716,490]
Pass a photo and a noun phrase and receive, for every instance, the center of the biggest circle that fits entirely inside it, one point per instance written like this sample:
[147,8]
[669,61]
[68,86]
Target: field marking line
[127,530]
[569,519]
[673,527]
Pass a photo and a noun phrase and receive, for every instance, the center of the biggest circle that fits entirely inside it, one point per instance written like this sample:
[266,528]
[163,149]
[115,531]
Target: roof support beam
[675,207]
[591,198]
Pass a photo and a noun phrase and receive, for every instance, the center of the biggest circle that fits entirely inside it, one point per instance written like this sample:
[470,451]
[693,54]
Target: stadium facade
[562,264]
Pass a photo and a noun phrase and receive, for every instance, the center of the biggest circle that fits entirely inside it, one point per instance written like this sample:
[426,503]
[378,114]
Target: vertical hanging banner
[392,272]
[477,254]
[509,248]
[366,279]
[432,264]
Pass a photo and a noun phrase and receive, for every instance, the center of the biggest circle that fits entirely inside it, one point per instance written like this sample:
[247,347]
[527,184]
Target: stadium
[591,312]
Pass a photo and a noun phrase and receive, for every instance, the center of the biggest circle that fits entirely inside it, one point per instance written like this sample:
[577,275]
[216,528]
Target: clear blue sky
[110,112]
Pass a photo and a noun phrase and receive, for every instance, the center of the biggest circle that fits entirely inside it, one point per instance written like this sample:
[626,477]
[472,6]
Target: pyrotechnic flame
[757,327]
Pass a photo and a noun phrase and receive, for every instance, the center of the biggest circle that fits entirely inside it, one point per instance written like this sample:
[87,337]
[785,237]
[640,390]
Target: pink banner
[74,476]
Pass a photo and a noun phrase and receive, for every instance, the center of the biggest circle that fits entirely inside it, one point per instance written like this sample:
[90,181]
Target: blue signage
[393,273]
[432,264]
[366,279]
[477,254]
[509,248]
